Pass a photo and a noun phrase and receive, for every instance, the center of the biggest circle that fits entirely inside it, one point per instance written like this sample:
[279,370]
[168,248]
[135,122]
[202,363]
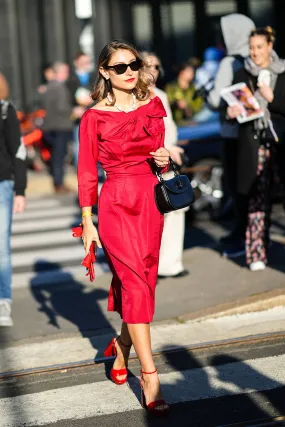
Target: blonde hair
[268,32]
[103,86]
[146,54]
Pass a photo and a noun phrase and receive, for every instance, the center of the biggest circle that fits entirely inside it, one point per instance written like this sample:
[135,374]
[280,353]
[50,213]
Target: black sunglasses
[122,68]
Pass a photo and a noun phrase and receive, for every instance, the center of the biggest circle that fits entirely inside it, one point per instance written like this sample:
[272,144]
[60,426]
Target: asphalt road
[214,387]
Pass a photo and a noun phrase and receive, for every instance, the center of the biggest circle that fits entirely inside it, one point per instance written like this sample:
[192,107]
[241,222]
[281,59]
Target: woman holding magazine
[261,141]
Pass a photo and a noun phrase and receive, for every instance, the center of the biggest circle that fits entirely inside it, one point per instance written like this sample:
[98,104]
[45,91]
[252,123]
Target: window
[183,26]
[220,7]
[262,12]
[142,26]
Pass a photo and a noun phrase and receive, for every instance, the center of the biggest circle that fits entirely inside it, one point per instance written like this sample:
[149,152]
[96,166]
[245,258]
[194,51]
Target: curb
[253,303]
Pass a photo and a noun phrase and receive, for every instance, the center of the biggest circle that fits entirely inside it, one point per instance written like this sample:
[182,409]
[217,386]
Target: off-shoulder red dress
[130,225]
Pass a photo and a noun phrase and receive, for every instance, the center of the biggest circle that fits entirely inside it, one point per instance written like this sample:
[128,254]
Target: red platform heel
[112,351]
[152,406]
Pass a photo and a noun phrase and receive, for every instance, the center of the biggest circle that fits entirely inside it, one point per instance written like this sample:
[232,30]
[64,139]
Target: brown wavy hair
[268,32]
[103,86]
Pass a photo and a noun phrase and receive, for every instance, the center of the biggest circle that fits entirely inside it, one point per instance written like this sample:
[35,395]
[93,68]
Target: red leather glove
[90,258]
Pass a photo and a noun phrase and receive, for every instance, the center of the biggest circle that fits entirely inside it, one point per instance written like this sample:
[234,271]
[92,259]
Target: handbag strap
[174,168]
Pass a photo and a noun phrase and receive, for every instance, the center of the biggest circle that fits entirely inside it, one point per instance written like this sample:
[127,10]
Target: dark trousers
[240,201]
[58,141]
[270,169]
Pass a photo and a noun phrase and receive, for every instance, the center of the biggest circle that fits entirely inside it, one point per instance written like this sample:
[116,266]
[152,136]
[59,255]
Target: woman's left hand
[161,157]
[266,92]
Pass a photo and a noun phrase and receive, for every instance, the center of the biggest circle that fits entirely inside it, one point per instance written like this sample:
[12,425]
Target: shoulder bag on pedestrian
[175,193]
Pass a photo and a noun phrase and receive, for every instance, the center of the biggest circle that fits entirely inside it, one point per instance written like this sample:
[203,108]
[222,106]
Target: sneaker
[234,251]
[257,265]
[5,314]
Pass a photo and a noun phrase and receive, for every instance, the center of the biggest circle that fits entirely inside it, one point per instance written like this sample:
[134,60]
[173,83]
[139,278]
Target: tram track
[267,422]
[204,347]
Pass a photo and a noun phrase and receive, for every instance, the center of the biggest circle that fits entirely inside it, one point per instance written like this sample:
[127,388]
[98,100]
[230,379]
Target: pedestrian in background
[80,85]
[182,97]
[58,124]
[13,181]
[48,75]
[172,243]
[236,29]
[261,142]
[204,79]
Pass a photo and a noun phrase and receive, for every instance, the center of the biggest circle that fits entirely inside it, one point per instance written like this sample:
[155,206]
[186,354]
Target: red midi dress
[129,223]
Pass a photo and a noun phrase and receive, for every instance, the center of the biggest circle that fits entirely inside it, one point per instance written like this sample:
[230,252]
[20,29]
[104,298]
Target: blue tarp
[200,131]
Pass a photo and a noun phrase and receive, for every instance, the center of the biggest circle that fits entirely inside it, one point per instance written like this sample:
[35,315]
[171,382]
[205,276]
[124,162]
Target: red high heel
[152,406]
[112,351]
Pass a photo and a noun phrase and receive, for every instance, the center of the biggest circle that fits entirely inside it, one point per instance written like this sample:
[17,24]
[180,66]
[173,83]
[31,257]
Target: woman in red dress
[125,133]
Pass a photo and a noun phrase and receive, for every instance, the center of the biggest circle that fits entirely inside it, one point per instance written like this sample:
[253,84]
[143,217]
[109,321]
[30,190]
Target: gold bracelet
[87,214]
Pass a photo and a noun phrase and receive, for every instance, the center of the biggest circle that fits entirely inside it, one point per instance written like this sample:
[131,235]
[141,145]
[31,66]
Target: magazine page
[242,95]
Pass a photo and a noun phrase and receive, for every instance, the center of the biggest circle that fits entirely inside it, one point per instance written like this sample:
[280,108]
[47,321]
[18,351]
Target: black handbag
[173,194]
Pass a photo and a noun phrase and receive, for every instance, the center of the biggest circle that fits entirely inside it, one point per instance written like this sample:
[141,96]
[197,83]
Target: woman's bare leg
[123,352]
[140,336]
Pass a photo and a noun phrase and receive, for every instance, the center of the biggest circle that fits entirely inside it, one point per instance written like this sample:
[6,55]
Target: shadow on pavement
[73,301]
[214,394]
[197,235]
[273,401]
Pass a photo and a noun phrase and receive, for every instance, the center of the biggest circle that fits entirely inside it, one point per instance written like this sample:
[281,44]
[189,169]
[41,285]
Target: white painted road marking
[56,246]
[47,213]
[102,398]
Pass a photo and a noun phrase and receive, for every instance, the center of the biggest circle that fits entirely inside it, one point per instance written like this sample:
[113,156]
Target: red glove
[90,258]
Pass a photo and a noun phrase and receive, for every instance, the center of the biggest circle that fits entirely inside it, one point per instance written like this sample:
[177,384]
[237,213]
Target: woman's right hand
[234,111]
[89,234]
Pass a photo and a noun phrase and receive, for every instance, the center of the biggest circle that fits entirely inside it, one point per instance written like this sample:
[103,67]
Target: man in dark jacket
[13,182]
[58,124]
[80,85]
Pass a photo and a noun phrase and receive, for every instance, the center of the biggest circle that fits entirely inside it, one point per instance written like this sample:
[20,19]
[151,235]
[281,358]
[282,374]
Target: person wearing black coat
[261,148]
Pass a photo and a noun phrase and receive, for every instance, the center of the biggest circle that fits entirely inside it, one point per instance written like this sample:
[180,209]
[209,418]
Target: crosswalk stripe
[42,234]
[41,203]
[63,275]
[102,398]
[42,225]
[73,252]
[47,213]
[41,239]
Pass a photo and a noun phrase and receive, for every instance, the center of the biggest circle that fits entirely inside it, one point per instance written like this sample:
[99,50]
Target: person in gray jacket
[236,29]
[58,123]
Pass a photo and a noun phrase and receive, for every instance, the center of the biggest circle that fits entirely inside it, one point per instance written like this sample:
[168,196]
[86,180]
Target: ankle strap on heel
[149,373]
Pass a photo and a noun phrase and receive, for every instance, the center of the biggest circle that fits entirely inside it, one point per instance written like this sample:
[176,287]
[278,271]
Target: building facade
[34,33]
